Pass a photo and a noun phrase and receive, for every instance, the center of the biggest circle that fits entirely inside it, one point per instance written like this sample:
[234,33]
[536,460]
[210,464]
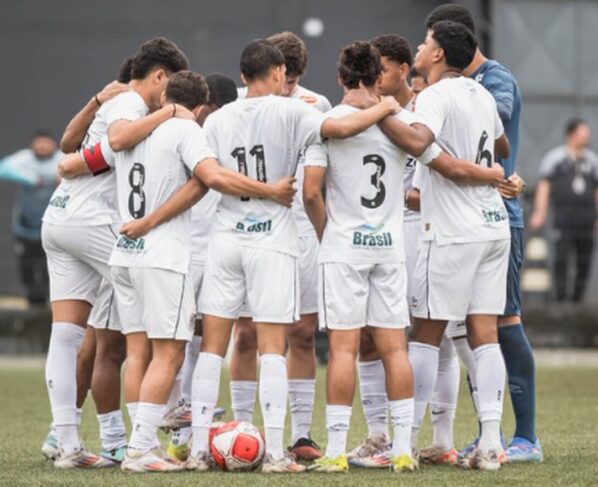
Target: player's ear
[438,55]
[243,79]
[163,98]
[404,71]
[160,75]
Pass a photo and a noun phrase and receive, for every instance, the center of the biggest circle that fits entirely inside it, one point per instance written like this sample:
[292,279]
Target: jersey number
[376,181]
[137,196]
[257,151]
[483,155]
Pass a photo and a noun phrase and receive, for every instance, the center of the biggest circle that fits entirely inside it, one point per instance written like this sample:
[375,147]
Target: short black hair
[187,88]
[457,42]
[451,11]
[359,62]
[259,57]
[222,89]
[294,52]
[414,73]
[43,133]
[394,47]
[573,124]
[124,73]
[156,53]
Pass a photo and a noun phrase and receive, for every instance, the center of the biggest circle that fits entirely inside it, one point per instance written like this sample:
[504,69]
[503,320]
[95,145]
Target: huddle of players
[178,186]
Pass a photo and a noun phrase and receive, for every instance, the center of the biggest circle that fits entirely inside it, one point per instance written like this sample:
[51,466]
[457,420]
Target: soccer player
[515,347]
[465,230]
[150,273]
[254,244]
[362,276]
[84,206]
[301,338]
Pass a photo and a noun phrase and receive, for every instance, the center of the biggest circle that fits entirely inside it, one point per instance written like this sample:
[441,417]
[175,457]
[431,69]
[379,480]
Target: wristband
[97,100]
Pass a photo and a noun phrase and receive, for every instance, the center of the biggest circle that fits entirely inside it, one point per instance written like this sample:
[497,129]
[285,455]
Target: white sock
[191,356]
[112,430]
[468,359]
[491,378]
[181,436]
[132,409]
[444,399]
[302,393]
[147,420]
[424,361]
[206,385]
[61,379]
[176,392]
[338,419]
[372,387]
[242,396]
[79,413]
[401,418]
[273,400]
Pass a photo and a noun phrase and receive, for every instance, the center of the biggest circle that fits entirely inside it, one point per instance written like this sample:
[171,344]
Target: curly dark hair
[188,89]
[359,61]
[457,42]
[156,53]
[394,47]
[294,51]
[124,73]
[451,11]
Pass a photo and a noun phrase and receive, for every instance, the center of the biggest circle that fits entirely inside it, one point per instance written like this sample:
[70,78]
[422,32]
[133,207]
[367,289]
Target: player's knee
[246,340]
[303,339]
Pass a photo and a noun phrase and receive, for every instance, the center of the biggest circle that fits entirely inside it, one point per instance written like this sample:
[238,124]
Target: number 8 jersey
[364,195]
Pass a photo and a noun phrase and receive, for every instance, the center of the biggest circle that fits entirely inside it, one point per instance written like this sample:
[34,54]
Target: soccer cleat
[180,416]
[523,451]
[149,461]
[176,448]
[80,459]
[50,446]
[371,446]
[305,449]
[330,465]
[116,456]
[286,464]
[381,459]
[403,463]
[218,413]
[433,455]
[200,462]
[479,460]
[467,449]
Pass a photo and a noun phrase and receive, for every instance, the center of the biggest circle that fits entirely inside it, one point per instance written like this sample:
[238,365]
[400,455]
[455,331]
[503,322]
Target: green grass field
[567,412]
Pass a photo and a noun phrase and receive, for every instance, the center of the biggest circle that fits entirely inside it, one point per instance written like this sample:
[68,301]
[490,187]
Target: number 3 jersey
[146,177]
[463,117]
[262,138]
[364,195]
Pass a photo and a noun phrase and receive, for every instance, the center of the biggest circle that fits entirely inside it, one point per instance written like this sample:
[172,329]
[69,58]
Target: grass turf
[567,411]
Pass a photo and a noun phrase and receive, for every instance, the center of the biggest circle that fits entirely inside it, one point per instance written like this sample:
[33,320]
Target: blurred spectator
[569,183]
[35,170]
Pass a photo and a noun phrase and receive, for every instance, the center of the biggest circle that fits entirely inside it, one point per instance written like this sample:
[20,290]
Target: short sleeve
[194,146]
[501,85]
[126,106]
[107,152]
[499,129]
[316,155]
[308,123]
[550,163]
[209,130]
[431,109]
[430,154]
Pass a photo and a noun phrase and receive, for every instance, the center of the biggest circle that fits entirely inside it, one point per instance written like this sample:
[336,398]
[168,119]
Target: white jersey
[410,215]
[464,119]
[89,200]
[202,216]
[364,195]
[147,176]
[261,137]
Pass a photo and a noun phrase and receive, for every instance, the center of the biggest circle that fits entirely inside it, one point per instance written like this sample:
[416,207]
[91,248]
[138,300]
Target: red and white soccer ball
[237,446]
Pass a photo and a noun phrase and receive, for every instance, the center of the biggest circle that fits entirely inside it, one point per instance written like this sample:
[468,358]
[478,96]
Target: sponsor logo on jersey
[372,236]
[251,225]
[130,244]
[60,201]
[495,215]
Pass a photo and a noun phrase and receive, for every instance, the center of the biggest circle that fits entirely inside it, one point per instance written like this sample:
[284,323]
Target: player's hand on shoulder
[393,105]
[111,90]
[284,191]
[136,228]
[511,187]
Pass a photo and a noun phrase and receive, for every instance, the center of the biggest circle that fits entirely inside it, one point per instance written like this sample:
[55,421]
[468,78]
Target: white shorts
[196,271]
[77,259]
[104,314]
[158,302]
[266,278]
[455,329]
[355,295]
[413,240]
[456,280]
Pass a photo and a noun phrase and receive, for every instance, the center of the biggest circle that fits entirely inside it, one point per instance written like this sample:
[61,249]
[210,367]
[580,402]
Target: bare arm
[412,199]
[461,171]
[186,196]
[413,139]
[349,125]
[124,134]
[226,181]
[313,199]
[75,131]
[72,165]
[541,200]
[502,148]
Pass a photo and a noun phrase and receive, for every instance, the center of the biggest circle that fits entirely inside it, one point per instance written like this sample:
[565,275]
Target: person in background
[35,170]
[418,82]
[569,183]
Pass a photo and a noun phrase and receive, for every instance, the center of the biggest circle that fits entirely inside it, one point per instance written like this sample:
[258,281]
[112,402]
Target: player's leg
[243,369]
[584,247]
[560,274]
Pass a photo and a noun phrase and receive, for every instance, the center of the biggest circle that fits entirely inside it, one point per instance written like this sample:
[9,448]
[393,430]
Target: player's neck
[478,60]
[404,94]
[143,90]
[575,151]
[441,71]
[259,88]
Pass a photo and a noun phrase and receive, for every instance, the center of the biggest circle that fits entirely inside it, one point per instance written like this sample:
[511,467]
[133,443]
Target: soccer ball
[237,446]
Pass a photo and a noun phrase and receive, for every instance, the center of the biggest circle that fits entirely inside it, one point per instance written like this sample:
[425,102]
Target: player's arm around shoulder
[94,160]
[316,161]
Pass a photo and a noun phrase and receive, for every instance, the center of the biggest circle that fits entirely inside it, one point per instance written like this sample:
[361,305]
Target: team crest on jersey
[372,236]
[130,244]
[251,225]
[60,201]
